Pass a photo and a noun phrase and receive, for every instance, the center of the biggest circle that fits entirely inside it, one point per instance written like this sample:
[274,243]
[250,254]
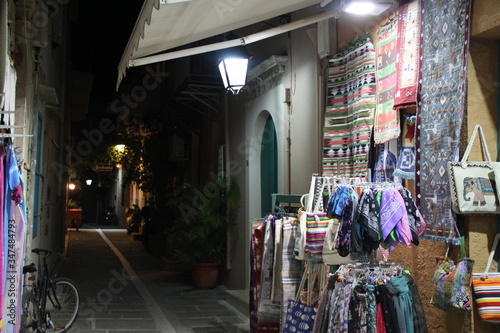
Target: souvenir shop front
[380,243]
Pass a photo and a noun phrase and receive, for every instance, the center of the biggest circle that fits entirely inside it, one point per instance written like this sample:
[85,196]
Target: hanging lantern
[233,66]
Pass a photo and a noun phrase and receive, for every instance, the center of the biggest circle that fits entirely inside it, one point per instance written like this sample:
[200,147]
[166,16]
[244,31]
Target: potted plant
[207,213]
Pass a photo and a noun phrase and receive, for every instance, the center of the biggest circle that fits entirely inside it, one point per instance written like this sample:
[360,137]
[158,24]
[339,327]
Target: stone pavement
[124,288]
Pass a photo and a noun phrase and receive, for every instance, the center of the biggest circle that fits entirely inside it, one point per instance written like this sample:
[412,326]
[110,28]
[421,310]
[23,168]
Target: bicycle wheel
[60,319]
[29,315]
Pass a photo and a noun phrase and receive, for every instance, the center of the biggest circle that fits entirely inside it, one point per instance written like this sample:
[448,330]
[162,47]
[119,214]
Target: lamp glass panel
[360,7]
[236,71]
[222,70]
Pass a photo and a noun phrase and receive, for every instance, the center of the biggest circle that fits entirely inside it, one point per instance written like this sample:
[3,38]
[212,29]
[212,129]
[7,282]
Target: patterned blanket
[407,54]
[386,125]
[350,109]
[444,53]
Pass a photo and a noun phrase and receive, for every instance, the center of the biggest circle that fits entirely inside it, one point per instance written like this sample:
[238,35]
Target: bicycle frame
[41,291]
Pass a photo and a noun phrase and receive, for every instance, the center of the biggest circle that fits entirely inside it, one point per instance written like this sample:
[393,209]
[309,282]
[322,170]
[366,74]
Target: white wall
[246,125]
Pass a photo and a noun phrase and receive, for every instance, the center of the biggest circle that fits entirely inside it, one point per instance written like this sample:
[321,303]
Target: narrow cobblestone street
[124,288]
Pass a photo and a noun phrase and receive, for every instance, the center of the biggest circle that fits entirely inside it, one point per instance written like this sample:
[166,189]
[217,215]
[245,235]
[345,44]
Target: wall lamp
[233,65]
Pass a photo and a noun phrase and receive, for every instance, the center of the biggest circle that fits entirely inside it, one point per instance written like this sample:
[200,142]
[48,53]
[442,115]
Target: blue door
[268,166]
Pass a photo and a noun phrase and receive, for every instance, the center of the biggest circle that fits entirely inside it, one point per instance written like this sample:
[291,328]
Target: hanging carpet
[441,104]
[386,126]
[350,109]
[405,93]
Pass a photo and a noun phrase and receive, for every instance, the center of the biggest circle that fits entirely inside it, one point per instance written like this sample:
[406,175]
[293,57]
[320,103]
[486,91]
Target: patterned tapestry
[444,53]
[350,109]
[386,126]
[406,161]
[405,94]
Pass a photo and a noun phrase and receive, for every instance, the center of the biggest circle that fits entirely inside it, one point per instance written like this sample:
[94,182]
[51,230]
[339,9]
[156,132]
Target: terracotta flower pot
[205,276]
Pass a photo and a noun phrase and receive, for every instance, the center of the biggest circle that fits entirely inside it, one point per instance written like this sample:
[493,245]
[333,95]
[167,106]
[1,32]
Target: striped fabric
[317,224]
[291,271]
[350,109]
[487,295]
[386,125]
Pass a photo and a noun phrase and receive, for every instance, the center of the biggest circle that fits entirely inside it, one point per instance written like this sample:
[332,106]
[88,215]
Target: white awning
[166,24]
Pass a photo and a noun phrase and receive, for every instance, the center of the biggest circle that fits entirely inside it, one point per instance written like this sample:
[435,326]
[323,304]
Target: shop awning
[166,24]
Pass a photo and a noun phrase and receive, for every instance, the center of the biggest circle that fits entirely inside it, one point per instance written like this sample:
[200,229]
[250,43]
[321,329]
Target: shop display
[368,216]
[440,112]
[474,186]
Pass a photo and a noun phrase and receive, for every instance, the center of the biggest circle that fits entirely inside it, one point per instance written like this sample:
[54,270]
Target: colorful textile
[14,230]
[291,271]
[386,161]
[444,53]
[317,224]
[258,325]
[408,53]
[386,124]
[452,284]
[267,307]
[350,110]
[487,295]
[406,161]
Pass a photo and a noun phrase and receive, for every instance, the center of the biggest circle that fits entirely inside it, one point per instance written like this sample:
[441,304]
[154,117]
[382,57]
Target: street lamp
[233,66]
[71,186]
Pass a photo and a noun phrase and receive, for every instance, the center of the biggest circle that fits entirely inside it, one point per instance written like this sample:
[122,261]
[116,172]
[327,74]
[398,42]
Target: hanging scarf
[405,303]
[403,227]
[391,213]
[419,321]
[389,311]
[368,217]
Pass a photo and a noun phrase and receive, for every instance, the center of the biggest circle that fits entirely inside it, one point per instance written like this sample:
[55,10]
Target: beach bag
[474,185]
[452,284]
[486,288]
[301,312]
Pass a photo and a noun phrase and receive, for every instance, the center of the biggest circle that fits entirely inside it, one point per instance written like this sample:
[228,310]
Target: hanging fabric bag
[487,290]
[474,186]
[300,237]
[300,315]
[317,223]
[452,283]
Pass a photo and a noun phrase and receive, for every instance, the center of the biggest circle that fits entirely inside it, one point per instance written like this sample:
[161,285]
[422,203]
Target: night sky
[98,38]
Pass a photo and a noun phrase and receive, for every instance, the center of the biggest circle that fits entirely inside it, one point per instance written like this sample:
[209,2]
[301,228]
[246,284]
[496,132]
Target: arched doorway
[268,166]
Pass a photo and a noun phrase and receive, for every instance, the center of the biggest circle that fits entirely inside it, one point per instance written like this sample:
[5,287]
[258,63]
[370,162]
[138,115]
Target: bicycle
[48,305]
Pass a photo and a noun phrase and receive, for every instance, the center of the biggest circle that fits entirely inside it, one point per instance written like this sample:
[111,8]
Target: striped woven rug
[350,109]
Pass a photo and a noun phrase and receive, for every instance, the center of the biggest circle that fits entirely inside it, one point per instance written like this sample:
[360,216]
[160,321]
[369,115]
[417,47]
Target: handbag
[300,236]
[301,313]
[452,284]
[473,185]
[486,288]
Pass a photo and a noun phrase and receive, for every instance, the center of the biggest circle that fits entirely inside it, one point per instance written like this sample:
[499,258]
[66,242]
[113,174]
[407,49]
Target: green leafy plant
[205,216]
